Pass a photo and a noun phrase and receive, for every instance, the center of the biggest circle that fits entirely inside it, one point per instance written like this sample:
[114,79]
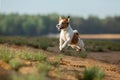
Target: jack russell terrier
[68,36]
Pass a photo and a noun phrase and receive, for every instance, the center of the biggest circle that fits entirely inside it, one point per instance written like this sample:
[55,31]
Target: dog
[68,36]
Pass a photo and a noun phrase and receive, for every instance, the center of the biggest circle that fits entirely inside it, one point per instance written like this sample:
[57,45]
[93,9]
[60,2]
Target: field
[93,36]
[100,36]
[38,58]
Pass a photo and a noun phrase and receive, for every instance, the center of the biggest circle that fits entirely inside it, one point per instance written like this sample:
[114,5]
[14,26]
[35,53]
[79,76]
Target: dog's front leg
[65,43]
[60,44]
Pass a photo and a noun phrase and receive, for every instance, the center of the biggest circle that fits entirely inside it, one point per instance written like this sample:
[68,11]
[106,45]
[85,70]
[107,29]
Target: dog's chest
[64,35]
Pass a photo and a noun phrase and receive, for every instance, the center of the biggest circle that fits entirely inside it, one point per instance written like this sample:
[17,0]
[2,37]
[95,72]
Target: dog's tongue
[58,29]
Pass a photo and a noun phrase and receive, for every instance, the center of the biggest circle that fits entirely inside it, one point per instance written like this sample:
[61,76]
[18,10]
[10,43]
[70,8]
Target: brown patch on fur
[75,38]
[65,23]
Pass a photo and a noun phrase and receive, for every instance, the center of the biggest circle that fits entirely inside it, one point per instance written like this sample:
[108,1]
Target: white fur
[66,36]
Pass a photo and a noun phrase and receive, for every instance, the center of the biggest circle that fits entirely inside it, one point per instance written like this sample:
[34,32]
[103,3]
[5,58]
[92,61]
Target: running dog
[68,36]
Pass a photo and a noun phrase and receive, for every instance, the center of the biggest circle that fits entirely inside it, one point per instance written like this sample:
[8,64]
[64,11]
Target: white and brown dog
[68,36]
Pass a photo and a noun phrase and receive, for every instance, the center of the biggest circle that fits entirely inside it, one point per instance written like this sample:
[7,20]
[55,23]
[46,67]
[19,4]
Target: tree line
[36,25]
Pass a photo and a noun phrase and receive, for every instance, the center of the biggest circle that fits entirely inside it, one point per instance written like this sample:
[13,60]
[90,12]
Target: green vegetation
[93,73]
[35,25]
[57,60]
[33,56]
[44,67]
[28,77]
[102,45]
[16,58]
[83,54]
[6,54]
[44,43]
[16,63]
[35,42]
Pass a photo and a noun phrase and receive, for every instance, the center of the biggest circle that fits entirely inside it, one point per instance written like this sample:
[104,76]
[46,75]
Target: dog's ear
[68,19]
[60,18]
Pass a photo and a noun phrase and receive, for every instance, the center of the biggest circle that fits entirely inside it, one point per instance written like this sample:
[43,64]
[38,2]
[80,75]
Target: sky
[82,8]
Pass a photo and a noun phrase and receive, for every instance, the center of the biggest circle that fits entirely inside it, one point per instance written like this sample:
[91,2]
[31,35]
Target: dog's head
[63,23]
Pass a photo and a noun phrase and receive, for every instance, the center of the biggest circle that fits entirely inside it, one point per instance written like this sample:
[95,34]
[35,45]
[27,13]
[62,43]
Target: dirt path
[107,61]
[108,57]
[112,69]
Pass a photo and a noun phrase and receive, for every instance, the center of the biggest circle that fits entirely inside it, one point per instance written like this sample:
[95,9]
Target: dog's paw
[60,48]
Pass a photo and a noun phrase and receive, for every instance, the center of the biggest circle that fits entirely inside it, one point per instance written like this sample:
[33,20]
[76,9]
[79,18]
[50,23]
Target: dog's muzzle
[59,27]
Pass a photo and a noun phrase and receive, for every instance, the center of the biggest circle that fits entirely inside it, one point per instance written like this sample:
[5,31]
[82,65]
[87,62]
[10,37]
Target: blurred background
[27,54]
[39,17]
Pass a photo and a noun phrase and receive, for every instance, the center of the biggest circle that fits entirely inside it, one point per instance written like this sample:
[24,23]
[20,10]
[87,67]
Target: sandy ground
[108,57]
[110,62]
[107,61]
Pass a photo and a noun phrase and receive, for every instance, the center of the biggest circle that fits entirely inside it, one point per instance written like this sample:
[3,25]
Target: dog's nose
[57,25]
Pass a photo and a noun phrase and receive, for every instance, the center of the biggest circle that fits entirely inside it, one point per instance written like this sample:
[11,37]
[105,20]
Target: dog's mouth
[59,27]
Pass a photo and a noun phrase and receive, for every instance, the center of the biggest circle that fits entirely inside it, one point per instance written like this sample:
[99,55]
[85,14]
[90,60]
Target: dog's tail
[76,34]
[75,31]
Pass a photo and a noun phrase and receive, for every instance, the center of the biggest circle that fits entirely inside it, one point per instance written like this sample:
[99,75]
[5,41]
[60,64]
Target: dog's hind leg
[76,47]
[73,46]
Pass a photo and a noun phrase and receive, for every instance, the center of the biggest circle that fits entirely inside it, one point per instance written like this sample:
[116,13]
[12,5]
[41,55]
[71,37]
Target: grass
[6,54]
[33,56]
[16,59]
[16,63]
[35,42]
[44,43]
[83,54]
[102,45]
[72,52]
[28,77]
[57,60]
[93,73]
[44,67]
